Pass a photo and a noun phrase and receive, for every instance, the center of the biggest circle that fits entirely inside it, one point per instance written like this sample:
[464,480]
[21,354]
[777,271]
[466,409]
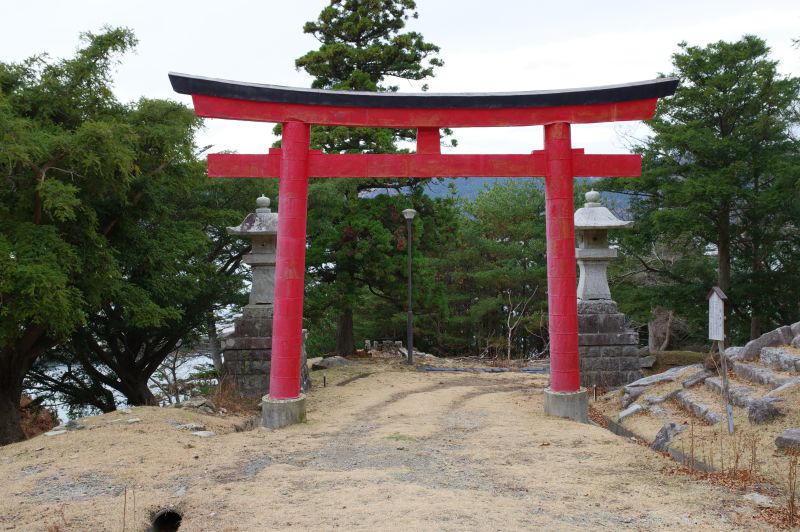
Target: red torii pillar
[294,163]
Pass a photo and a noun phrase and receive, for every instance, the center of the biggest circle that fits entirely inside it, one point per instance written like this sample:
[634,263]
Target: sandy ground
[391,450]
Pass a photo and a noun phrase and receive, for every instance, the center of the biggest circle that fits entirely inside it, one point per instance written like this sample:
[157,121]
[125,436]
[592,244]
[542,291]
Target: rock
[697,408]
[55,432]
[191,426]
[780,358]
[760,500]
[667,376]
[763,410]
[647,362]
[657,411]
[331,362]
[788,440]
[780,336]
[73,425]
[759,374]
[201,404]
[656,399]
[740,395]
[133,420]
[124,410]
[665,435]
[697,378]
[204,433]
[796,342]
[733,352]
[631,410]
[313,362]
[180,492]
[792,383]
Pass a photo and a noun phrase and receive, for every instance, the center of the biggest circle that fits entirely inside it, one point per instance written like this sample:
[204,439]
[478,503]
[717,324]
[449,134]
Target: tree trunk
[724,259]
[213,345]
[755,315]
[345,343]
[135,389]
[10,393]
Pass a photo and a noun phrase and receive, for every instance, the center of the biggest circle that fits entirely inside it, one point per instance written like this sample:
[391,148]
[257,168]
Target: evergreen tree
[496,275]
[361,45]
[109,247]
[720,178]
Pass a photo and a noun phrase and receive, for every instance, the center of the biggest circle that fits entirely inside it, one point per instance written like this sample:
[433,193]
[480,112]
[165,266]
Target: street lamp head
[409,214]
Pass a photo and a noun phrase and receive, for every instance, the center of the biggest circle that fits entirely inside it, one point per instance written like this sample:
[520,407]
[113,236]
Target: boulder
[752,349]
[789,440]
[763,410]
[665,435]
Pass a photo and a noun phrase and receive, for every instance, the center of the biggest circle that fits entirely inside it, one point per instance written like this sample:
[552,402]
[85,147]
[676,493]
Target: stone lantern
[248,348]
[608,349]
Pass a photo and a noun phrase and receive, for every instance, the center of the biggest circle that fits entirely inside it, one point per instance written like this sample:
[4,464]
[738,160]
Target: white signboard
[716,317]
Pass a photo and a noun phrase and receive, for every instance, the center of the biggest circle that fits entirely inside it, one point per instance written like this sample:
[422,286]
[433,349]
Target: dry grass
[226,396]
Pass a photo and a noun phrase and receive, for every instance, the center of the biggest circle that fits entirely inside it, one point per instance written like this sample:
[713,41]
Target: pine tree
[362,47]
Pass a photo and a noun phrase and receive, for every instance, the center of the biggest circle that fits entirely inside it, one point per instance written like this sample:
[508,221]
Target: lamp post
[409,214]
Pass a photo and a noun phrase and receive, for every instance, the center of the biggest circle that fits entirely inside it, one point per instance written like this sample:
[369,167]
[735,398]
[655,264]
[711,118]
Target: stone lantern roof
[593,215]
[261,222]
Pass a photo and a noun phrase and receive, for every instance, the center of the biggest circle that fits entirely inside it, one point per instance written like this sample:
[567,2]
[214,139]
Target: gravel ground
[394,449]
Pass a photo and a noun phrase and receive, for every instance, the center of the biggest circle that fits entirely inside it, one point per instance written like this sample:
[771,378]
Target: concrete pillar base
[277,413]
[572,405]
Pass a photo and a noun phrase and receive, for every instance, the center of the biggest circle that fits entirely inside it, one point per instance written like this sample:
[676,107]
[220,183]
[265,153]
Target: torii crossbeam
[294,163]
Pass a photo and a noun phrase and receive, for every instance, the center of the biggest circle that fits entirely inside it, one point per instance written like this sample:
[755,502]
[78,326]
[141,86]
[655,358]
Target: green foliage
[719,189]
[495,274]
[354,228]
[112,242]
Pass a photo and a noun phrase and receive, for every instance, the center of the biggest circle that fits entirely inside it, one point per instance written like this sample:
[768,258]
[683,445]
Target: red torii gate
[294,163]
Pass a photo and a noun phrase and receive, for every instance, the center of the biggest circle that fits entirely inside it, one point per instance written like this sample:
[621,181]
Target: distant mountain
[469,188]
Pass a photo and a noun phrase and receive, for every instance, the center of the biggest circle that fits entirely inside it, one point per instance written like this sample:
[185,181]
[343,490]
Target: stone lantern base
[248,351]
[608,350]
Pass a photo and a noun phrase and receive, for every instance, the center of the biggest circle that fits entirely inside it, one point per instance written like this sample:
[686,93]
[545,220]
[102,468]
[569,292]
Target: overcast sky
[497,45]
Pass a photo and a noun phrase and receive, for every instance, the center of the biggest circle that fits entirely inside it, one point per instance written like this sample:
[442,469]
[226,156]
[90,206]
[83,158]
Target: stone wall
[609,351]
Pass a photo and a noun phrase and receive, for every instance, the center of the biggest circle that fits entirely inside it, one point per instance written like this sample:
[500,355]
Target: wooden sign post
[716,333]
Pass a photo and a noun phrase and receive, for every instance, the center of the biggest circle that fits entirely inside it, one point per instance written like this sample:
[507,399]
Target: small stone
[55,432]
[203,433]
[38,449]
[180,492]
[788,440]
[191,426]
[133,420]
[124,410]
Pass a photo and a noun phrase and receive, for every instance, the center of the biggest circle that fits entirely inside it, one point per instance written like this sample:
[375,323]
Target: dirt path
[392,450]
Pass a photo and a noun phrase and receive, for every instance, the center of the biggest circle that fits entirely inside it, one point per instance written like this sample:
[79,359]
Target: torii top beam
[294,163]
[215,98]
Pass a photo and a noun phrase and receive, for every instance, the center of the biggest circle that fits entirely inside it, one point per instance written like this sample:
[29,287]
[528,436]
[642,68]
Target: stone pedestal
[570,405]
[608,350]
[277,413]
[248,350]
